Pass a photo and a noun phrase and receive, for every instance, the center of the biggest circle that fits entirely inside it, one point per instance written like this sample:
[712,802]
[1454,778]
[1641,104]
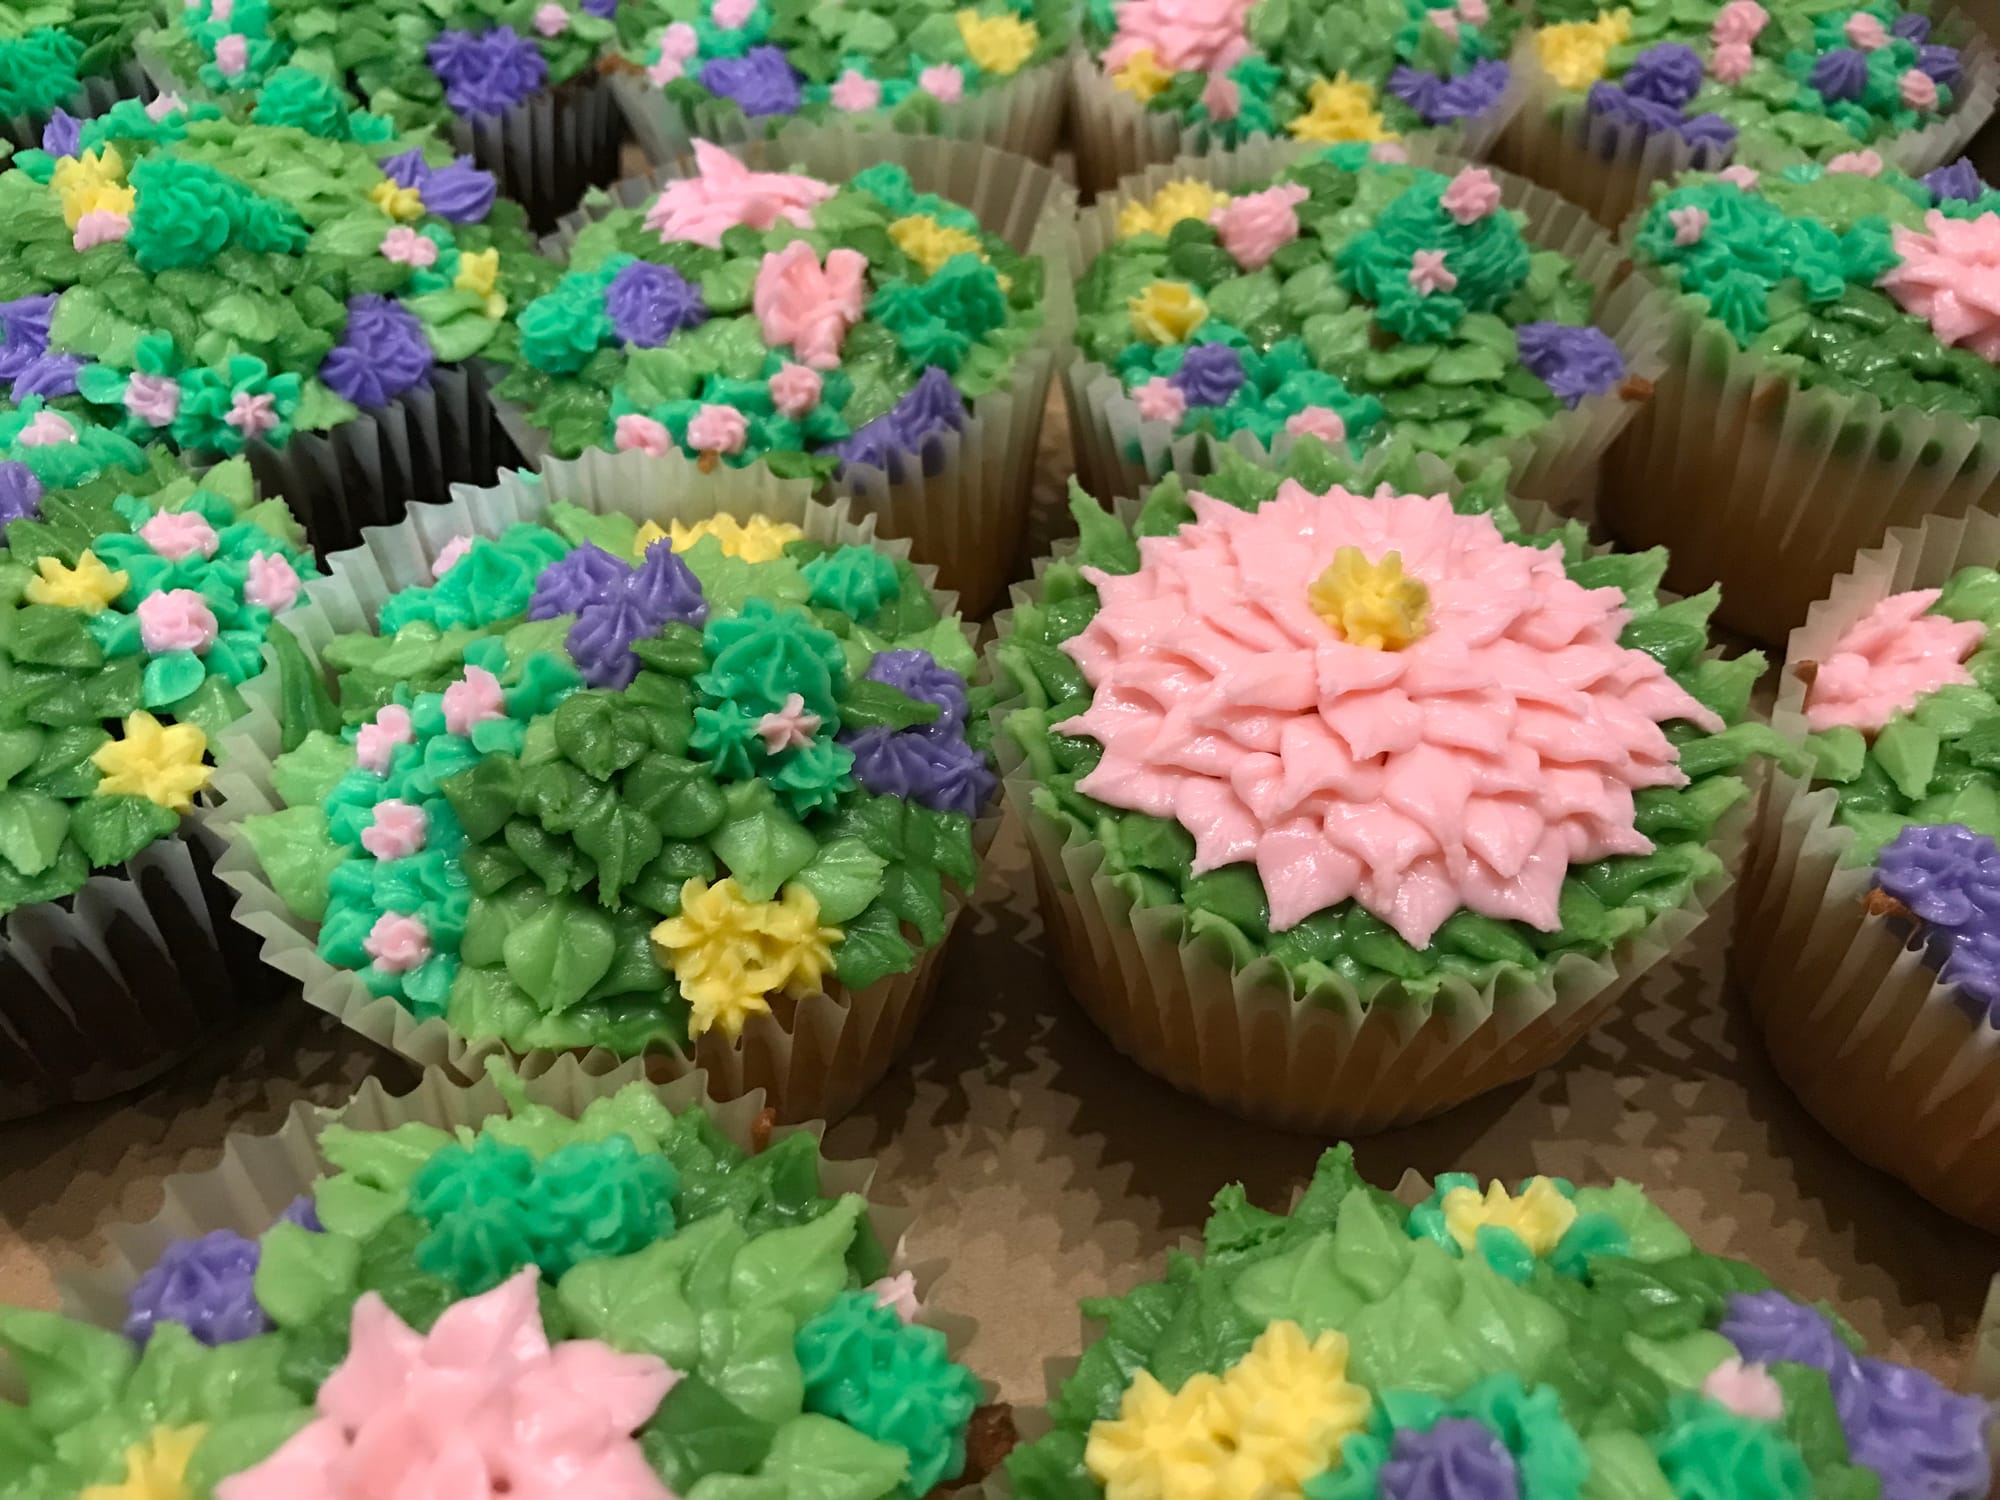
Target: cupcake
[139,599]
[1521,761]
[1870,944]
[739,70]
[573,1288]
[1551,1342]
[657,777]
[1224,303]
[67,58]
[294,287]
[515,85]
[1161,79]
[1620,97]
[850,326]
[1824,382]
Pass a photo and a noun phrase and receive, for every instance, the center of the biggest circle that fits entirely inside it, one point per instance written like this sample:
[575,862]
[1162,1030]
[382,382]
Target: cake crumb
[761,1128]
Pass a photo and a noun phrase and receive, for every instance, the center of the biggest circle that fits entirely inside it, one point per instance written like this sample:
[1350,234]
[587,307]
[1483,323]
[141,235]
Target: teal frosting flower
[1566,1233]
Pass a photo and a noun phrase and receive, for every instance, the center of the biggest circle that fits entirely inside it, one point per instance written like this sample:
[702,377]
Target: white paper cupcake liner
[813,1063]
[963,502]
[1328,1063]
[98,94]
[1609,166]
[1770,488]
[548,151]
[1023,115]
[1883,1055]
[1119,453]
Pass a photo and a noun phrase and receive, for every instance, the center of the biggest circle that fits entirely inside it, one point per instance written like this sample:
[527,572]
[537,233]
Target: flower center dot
[1374,605]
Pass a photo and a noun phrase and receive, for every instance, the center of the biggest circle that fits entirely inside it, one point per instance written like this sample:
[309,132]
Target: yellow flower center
[155,1469]
[1541,1216]
[1167,312]
[1183,198]
[999,44]
[760,539]
[89,586]
[1142,76]
[930,244]
[1372,605]
[400,203]
[1576,53]
[160,762]
[1342,109]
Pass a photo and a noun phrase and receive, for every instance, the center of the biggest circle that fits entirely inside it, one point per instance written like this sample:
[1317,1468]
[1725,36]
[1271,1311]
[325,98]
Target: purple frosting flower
[604,10]
[303,1212]
[1456,1459]
[649,304]
[48,375]
[1769,1326]
[762,81]
[63,135]
[1209,375]
[1958,181]
[382,354]
[1438,100]
[664,586]
[1668,74]
[587,576]
[1945,873]
[1840,74]
[24,333]
[930,406]
[1710,130]
[1941,63]
[203,1284]
[916,674]
[1572,362]
[487,72]
[616,605]
[1911,28]
[458,192]
[1611,101]
[20,492]
[601,640]
[945,775]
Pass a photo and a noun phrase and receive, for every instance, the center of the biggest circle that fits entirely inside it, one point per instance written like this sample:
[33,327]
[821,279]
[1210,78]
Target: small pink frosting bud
[899,1294]
[1390,153]
[176,534]
[1429,273]
[271,582]
[1690,223]
[222,12]
[252,415]
[1256,226]
[153,399]
[1866,32]
[718,429]
[1160,400]
[679,41]
[400,829]
[795,390]
[406,247]
[854,92]
[449,555]
[1861,163]
[732,15]
[792,727]
[1745,178]
[1739,21]
[1445,21]
[45,429]
[1473,12]
[1471,195]
[168,103]
[176,620]
[1731,63]
[398,943]
[636,432]
[1221,97]
[232,54]
[664,69]
[1747,1390]
[551,19]
[377,740]
[473,700]
[943,82]
[1919,92]
[1322,422]
[101,226]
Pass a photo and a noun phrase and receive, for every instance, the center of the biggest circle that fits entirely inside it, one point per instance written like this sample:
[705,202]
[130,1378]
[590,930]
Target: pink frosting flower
[176,620]
[724,193]
[1429,273]
[718,429]
[449,554]
[398,943]
[1888,659]
[167,104]
[1732,62]
[176,534]
[680,41]
[732,15]
[473,700]
[1739,21]
[1473,12]
[636,432]
[664,69]
[45,429]
[1445,21]
[271,582]
[1392,153]
[1471,195]
[1918,87]
[1221,97]
[480,1397]
[792,727]
[854,92]
[810,307]
[222,11]
[399,829]
[101,226]
[1186,36]
[232,54]
[406,247]
[1950,276]
[1747,1390]
[376,741]
[1745,178]
[153,399]
[1469,769]
[1256,226]
[551,19]
[1160,400]
[1690,223]
[1861,163]
[1865,31]
[943,82]
[795,390]
[898,1292]
[252,415]
[1322,422]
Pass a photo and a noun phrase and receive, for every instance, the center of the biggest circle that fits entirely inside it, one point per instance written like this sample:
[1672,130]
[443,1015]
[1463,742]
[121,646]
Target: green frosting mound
[655,1233]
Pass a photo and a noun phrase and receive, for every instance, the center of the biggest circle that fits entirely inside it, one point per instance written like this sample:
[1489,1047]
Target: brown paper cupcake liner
[963,502]
[816,1058]
[549,150]
[1884,1056]
[1330,1062]
[1120,453]
[130,81]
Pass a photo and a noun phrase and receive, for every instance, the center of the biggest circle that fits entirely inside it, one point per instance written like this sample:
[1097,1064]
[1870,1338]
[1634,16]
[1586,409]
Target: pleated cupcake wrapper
[1770,488]
[1609,166]
[99,93]
[108,989]
[963,501]
[548,151]
[827,1049]
[1024,115]
[260,1175]
[1118,452]
[1883,1055]
[1326,1063]
[1115,135]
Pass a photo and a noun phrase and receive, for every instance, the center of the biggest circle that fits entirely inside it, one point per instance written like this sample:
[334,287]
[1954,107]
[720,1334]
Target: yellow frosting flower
[1167,312]
[1184,198]
[999,44]
[1289,1406]
[760,539]
[160,762]
[398,202]
[1343,109]
[155,1469]
[730,953]
[479,274]
[1163,1445]
[1142,76]
[91,182]
[929,243]
[89,586]
[1576,53]
[1373,605]
[1540,1216]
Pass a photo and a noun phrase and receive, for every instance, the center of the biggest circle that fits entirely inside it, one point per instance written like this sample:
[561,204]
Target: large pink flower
[1888,659]
[1184,35]
[724,193]
[1471,768]
[479,1407]
[1951,277]
[810,307]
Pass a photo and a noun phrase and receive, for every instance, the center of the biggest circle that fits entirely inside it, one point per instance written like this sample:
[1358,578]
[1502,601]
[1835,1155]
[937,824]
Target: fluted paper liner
[963,502]
[1881,1053]
[1116,135]
[1333,1062]
[1609,166]
[1556,463]
[1023,115]
[546,151]
[97,94]
[815,1057]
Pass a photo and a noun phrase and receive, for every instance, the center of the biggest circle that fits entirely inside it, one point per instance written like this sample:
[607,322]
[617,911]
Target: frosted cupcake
[1346,806]
[139,602]
[71,56]
[1549,1342]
